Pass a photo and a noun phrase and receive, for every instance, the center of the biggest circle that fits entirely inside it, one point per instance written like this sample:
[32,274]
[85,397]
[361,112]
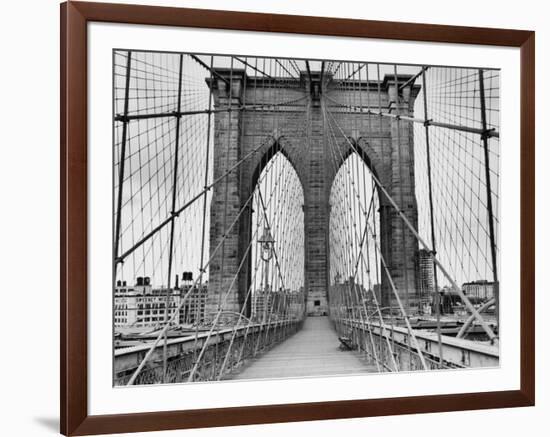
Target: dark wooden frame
[74,391]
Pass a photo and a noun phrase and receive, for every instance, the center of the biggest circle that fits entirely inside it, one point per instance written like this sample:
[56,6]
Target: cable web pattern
[459,184]
[253,193]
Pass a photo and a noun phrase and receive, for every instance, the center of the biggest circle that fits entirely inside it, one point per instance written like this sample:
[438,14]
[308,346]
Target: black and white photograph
[274,218]
[290,218]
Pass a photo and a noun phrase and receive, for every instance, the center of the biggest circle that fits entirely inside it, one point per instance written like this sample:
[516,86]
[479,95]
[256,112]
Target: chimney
[187,276]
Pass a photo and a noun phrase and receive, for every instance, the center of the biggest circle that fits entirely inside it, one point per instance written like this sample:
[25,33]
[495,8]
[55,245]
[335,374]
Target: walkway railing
[457,195]
[224,353]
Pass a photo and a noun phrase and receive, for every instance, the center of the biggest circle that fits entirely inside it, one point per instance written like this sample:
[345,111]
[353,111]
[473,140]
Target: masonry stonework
[298,129]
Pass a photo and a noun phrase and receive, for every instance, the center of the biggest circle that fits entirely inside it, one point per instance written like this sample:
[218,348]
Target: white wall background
[29,238]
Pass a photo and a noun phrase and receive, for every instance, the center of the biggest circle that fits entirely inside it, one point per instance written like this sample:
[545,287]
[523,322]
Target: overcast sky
[457,164]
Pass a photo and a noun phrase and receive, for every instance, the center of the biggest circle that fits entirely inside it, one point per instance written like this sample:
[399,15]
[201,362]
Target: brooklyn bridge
[289,217]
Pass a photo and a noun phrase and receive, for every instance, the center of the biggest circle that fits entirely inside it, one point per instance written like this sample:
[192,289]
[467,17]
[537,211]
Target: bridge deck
[313,351]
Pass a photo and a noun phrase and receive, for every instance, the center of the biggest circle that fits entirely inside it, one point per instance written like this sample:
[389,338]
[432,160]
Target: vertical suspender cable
[172,224]
[432,227]
[489,194]
[122,158]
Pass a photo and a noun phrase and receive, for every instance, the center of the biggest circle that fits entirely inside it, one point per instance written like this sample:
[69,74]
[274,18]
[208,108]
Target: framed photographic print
[271,218]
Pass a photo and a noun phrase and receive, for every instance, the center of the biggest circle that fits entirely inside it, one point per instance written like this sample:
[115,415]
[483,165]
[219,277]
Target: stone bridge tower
[298,129]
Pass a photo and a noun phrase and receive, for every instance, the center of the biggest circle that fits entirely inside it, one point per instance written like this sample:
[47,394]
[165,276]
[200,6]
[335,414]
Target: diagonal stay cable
[382,324]
[193,200]
[184,299]
[463,297]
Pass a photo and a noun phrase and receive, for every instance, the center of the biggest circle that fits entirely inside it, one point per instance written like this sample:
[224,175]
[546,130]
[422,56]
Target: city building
[263,304]
[426,275]
[481,289]
[354,295]
[193,309]
[276,304]
[141,305]
[296,304]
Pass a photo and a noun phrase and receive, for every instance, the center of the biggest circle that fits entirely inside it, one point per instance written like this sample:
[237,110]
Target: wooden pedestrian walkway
[313,351]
